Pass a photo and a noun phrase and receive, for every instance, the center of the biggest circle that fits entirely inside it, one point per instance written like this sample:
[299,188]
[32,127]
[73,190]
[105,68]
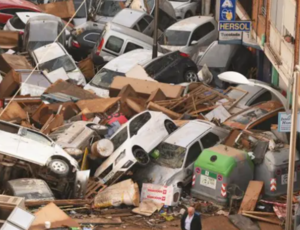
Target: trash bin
[274,172]
[216,169]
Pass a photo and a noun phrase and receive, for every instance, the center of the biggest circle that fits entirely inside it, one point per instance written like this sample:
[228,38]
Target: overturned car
[25,153]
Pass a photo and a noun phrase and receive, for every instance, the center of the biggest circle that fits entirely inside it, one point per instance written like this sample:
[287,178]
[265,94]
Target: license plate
[284,178]
[208,181]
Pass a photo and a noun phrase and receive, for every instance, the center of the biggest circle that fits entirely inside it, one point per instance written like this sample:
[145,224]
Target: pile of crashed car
[93,110]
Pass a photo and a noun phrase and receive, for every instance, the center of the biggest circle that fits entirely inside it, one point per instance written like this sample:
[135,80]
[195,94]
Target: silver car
[190,35]
[173,159]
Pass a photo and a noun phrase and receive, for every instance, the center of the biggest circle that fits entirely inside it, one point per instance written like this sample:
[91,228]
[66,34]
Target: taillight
[278,172]
[184,55]
[75,44]
[100,46]
[21,32]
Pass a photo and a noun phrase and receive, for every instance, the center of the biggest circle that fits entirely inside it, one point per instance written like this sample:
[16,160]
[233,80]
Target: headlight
[120,157]
[74,151]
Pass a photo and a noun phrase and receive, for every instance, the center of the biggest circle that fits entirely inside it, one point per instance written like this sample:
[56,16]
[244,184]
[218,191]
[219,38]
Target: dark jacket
[195,224]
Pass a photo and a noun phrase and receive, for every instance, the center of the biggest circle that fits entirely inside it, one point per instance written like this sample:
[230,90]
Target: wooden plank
[14,111]
[75,202]
[268,220]
[251,196]
[230,139]
[100,105]
[111,221]
[156,107]
[260,213]
[268,226]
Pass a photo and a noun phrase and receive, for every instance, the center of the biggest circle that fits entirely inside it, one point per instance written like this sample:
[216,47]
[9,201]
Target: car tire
[141,156]
[190,75]
[170,126]
[59,167]
[188,14]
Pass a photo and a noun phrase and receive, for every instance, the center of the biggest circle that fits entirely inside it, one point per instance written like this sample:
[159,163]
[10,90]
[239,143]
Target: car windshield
[175,38]
[57,63]
[169,155]
[110,8]
[119,138]
[105,77]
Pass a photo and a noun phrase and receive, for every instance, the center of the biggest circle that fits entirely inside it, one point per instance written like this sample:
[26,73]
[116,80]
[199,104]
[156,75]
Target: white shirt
[188,221]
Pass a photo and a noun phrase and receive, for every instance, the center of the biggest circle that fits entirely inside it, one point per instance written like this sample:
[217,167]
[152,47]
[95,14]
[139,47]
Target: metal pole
[154,50]
[290,189]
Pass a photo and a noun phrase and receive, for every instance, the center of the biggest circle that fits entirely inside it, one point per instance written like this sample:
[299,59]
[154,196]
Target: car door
[113,46]
[34,147]
[193,152]
[9,139]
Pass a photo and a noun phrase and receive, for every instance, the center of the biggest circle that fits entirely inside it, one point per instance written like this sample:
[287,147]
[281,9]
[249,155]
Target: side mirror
[194,42]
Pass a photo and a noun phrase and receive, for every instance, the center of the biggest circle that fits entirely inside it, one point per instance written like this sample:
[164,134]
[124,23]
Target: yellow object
[85,165]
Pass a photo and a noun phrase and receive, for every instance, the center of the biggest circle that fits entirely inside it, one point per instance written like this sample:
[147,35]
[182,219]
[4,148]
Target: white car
[57,64]
[119,66]
[172,161]
[133,142]
[39,156]
[190,35]
[184,8]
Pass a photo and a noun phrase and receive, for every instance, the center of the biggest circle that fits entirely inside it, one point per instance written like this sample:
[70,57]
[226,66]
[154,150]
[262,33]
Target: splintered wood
[251,196]
[203,98]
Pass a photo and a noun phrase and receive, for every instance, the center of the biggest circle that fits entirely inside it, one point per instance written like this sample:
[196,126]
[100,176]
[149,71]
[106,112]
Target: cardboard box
[10,61]
[9,39]
[60,9]
[10,84]
[144,88]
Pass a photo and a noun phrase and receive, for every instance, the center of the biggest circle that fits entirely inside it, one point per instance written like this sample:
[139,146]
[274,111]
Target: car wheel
[170,126]
[59,167]
[190,76]
[188,14]
[141,156]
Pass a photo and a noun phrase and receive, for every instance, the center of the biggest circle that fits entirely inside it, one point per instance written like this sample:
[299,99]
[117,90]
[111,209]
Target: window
[209,140]
[114,44]
[104,78]
[142,24]
[110,8]
[193,153]
[82,12]
[175,38]
[264,97]
[119,138]
[9,128]
[202,31]
[276,9]
[131,46]
[57,63]
[148,18]
[91,37]
[136,28]
[37,137]
[137,123]
[160,63]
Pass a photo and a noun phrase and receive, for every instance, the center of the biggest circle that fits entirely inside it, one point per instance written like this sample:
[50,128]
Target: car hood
[155,174]
[177,4]
[172,48]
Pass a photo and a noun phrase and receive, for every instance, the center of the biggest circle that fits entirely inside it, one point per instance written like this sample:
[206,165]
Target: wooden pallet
[93,188]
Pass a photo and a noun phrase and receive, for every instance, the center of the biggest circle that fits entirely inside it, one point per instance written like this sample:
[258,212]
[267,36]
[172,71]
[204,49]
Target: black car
[82,41]
[175,67]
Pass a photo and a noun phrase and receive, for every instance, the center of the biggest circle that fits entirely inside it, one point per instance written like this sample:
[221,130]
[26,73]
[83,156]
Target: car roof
[126,61]
[19,4]
[128,17]
[55,50]
[129,32]
[253,91]
[189,132]
[189,24]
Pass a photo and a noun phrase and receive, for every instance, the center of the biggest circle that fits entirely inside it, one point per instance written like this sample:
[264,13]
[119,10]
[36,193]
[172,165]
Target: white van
[117,67]
[116,40]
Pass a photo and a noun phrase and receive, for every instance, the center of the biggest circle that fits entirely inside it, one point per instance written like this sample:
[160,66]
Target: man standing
[191,220]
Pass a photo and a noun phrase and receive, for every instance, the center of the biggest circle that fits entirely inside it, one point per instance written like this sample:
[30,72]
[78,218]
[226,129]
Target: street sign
[285,122]
[228,37]
[227,10]
[235,26]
